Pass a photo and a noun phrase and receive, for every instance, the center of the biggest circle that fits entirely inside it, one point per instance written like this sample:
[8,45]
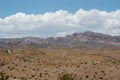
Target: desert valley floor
[28,63]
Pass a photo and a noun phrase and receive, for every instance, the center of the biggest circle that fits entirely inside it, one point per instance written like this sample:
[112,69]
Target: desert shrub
[101,77]
[86,76]
[3,76]
[14,77]
[33,76]
[66,76]
[2,64]
[40,74]
[23,78]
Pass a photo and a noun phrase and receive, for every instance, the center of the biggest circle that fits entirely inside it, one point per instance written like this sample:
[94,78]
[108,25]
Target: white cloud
[60,23]
[63,34]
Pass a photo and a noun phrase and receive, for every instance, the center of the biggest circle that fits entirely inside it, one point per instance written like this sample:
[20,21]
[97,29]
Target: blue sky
[44,18]
[9,7]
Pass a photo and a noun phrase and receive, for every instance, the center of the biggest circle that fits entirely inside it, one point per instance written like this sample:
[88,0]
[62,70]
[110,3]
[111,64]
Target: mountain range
[88,40]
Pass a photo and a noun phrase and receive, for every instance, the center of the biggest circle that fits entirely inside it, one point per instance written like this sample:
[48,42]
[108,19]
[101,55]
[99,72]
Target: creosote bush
[23,78]
[3,76]
[66,76]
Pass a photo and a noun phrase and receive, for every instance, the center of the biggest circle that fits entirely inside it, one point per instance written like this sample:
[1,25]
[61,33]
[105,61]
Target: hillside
[88,40]
[47,64]
[80,56]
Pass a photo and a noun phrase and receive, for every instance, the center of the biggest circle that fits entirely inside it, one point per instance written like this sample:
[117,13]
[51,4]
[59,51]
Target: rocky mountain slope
[77,40]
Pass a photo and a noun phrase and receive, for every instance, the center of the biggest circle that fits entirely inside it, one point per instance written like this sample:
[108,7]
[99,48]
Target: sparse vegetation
[60,64]
[23,78]
[66,76]
[3,76]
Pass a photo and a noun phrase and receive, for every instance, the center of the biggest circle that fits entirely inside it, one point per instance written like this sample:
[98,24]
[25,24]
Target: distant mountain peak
[86,39]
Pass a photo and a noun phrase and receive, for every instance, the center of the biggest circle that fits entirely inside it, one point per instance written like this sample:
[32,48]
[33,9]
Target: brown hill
[89,40]
[48,64]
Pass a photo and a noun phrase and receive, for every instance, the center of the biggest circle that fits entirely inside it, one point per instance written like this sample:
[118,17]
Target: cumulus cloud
[60,23]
